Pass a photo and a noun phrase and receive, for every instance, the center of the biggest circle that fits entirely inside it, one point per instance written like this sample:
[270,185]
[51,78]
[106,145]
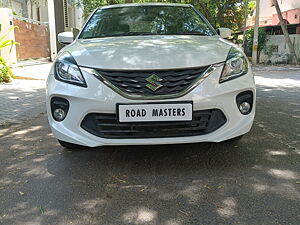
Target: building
[63,16]
[18,7]
[268,16]
[70,12]
[36,33]
[276,50]
[36,10]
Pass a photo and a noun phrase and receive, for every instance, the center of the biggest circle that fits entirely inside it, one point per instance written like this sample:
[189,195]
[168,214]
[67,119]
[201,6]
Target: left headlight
[67,70]
[235,66]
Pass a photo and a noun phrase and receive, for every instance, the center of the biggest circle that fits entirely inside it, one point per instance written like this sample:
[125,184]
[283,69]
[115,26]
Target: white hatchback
[149,74]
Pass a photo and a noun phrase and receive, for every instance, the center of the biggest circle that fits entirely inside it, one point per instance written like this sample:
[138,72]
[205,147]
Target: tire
[69,146]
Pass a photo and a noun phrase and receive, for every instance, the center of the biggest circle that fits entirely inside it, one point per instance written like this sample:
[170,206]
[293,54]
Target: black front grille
[108,126]
[134,82]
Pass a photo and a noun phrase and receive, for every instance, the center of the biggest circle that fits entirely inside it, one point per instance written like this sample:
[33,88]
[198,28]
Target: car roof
[144,4]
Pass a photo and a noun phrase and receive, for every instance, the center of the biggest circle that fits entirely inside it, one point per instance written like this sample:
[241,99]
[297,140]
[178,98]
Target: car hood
[149,52]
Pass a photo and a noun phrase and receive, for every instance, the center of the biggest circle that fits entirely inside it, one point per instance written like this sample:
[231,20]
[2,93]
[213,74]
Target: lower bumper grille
[107,126]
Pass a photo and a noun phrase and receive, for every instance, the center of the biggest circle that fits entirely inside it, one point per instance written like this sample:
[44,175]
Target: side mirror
[65,38]
[224,32]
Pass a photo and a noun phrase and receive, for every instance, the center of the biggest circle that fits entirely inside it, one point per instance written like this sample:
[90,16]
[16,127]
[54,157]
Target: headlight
[236,65]
[66,70]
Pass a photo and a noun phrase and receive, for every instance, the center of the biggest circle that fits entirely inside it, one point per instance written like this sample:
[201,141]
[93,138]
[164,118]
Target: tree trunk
[255,34]
[286,34]
[245,23]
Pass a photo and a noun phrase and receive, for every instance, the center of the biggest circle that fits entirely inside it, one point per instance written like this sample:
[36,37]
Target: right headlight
[235,66]
[67,70]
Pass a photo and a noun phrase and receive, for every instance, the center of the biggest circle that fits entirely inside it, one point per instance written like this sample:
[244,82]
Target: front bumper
[98,98]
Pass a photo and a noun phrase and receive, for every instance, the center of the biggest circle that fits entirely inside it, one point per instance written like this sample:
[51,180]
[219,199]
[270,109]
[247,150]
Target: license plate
[182,111]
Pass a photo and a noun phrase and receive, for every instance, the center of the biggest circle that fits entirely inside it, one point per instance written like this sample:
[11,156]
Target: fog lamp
[59,114]
[59,108]
[245,107]
[244,101]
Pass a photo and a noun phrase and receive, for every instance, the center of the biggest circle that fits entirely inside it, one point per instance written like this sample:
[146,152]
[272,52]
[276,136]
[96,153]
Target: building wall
[44,14]
[17,6]
[39,12]
[278,49]
[292,16]
[267,11]
[6,18]
[33,39]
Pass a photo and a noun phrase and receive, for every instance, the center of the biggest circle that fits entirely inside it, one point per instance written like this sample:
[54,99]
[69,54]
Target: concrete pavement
[24,98]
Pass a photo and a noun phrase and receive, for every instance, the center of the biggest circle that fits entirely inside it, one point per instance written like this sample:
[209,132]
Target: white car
[140,74]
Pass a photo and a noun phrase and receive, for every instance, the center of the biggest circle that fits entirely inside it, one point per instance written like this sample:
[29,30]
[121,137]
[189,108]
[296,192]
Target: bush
[262,40]
[5,72]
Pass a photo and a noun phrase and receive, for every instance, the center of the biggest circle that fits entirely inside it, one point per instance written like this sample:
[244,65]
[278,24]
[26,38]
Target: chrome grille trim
[202,77]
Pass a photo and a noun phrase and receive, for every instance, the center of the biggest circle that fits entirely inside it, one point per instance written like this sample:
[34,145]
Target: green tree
[262,40]
[222,13]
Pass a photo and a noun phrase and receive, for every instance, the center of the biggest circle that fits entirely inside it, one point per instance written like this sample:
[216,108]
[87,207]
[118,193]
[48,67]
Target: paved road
[256,181]
[24,98]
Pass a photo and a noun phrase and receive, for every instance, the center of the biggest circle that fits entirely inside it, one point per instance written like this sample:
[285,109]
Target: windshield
[146,20]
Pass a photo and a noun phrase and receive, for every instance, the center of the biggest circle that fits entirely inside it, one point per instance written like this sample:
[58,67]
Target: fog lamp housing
[244,101]
[59,108]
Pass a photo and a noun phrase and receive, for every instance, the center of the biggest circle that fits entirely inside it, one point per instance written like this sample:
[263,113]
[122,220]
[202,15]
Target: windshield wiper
[132,33]
[125,34]
[188,33]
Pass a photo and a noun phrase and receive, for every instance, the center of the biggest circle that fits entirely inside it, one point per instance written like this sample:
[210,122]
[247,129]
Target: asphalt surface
[255,181]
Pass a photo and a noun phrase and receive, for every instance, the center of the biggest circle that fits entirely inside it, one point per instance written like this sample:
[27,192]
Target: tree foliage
[262,39]
[5,71]
[220,13]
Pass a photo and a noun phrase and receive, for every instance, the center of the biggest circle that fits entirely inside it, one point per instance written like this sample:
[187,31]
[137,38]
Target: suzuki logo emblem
[154,82]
